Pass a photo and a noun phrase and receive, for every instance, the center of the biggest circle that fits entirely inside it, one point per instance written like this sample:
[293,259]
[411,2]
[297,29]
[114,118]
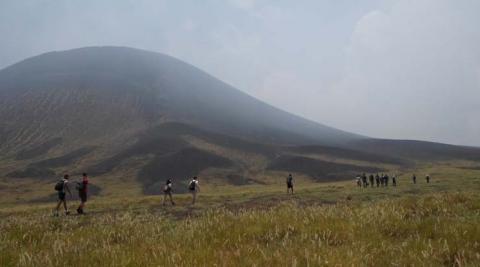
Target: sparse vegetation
[332,224]
[441,229]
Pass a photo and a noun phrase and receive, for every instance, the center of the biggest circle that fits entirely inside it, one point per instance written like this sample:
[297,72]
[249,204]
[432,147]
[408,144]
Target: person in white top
[194,188]
[62,187]
[167,190]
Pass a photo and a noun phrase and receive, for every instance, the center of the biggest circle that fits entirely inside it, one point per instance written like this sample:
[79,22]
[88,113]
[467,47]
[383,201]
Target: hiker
[377,179]
[371,180]
[364,179]
[427,178]
[382,179]
[414,178]
[60,187]
[194,188]
[394,180]
[167,190]
[386,180]
[359,182]
[290,183]
[82,193]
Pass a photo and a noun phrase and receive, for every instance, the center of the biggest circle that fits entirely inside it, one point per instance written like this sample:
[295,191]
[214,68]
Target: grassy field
[332,224]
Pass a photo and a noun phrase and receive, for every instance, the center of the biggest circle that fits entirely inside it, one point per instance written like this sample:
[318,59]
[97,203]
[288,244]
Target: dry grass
[331,224]
[439,229]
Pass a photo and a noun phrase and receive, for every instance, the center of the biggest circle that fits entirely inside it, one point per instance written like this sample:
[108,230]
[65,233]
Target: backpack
[80,186]
[59,185]
[192,185]
[166,188]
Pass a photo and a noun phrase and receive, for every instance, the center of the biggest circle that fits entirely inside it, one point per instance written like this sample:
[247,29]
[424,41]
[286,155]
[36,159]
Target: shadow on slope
[43,169]
[64,160]
[173,157]
[349,154]
[38,150]
[174,129]
[321,171]
[32,172]
[166,139]
[180,167]
[176,159]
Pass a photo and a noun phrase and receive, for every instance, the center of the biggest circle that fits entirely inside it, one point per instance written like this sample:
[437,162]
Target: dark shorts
[289,185]
[83,196]
[61,196]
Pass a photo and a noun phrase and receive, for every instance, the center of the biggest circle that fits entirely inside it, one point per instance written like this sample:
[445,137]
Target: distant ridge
[124,112]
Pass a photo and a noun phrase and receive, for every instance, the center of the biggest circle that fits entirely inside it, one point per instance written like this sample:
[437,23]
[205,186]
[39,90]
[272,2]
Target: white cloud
[412,72]
[189,25]
[243,4]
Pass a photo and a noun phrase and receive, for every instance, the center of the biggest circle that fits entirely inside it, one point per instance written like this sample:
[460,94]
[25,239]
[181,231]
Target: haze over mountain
[122,111]
[122,89]
[381,68]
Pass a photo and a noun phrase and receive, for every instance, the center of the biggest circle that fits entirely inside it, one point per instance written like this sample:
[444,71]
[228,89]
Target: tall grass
[432,230]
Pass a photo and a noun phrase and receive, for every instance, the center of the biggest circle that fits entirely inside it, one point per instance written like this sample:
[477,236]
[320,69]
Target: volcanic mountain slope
[121,111]
[91,93]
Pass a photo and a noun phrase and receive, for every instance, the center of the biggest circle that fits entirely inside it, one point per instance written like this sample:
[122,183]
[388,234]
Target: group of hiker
[382,180]
[193,188]
[62,187]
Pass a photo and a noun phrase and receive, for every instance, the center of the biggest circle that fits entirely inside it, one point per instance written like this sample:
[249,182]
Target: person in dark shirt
[364,180]
[82,193]
[290,184]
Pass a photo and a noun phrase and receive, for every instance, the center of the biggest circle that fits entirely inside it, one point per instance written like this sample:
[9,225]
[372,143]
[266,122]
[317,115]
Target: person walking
[364,180]
[427,178]
[167,191]
[371,180]
[194,188]
[414,179]
[82,193]
[61,187]
[394,180]
[290,184]
[359,180]
[386,180]
[377,180]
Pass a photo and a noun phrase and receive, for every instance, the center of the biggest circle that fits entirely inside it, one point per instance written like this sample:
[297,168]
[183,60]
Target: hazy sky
[407,69]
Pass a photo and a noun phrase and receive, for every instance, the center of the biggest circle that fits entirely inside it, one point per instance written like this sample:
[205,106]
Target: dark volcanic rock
[318,169]
[33,172]
[179,166]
